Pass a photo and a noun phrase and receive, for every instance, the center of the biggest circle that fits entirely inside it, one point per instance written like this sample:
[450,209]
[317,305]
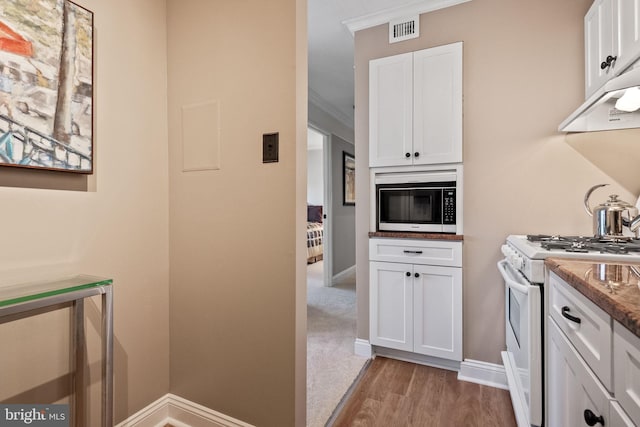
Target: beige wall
[523,74]
[237,320]
[117,229]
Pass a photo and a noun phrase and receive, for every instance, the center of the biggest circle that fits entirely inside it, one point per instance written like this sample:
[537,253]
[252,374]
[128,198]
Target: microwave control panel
[449,206]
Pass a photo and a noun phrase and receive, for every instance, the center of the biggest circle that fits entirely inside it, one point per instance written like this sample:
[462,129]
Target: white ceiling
[331,47]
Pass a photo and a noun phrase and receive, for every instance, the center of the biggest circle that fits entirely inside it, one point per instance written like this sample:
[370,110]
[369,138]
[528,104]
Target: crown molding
[384,16]
[322,104]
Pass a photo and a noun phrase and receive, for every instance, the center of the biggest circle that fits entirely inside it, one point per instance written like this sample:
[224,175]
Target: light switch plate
[270,147]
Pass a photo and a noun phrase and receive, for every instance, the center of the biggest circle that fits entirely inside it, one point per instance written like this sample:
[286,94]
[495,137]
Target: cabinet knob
[591,419]
[408,274]
[608,62]
[407,155]
[416,275]
[416,154]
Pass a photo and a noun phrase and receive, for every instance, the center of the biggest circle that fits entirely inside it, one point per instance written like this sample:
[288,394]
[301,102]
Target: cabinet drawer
[592,337]
[431,252]
[626,370]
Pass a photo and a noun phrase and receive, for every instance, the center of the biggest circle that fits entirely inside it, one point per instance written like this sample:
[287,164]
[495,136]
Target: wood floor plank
[395,393]
[394,377]
[365,414]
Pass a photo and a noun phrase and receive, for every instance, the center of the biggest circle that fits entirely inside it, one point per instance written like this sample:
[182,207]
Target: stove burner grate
[585,244]
[581,239]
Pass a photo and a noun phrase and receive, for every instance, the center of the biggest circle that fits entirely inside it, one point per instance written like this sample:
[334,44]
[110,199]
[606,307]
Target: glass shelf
[26,299]
[16,294]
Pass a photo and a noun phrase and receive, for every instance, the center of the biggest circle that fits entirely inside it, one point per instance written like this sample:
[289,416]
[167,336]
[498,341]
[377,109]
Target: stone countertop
[612,286]
[424,236]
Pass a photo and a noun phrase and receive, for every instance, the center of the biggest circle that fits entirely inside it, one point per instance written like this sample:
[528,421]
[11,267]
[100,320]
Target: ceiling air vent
[404,29]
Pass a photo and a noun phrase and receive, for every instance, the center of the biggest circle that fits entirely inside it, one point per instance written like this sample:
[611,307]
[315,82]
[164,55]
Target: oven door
[523,358]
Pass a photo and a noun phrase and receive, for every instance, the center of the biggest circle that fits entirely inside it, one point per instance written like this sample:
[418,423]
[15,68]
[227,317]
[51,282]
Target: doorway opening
[332,365]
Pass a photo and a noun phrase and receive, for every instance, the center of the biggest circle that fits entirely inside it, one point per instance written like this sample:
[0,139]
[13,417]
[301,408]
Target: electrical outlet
[270,147]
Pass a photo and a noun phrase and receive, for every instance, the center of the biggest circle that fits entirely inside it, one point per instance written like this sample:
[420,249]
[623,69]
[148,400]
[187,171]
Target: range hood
[599,112]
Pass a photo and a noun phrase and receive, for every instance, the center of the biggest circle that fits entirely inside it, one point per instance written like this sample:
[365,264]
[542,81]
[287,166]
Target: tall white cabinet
[415,108]
[415,129]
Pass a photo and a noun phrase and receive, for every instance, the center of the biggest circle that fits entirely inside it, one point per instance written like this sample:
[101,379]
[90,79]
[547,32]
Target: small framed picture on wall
[348,179]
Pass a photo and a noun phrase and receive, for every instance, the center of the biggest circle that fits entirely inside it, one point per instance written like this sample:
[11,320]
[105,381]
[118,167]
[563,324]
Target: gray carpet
[331,333]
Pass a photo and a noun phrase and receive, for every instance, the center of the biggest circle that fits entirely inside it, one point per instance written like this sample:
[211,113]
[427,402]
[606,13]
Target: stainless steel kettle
[610,217]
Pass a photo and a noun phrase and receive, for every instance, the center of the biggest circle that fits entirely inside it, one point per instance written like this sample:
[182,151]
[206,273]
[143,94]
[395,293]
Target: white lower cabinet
[626,370]
[619,418]
[437,311]
[416,307]
[580,336]
[573,389]
[391,302]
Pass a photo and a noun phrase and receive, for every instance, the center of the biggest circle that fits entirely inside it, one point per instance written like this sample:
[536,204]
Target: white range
[523,272]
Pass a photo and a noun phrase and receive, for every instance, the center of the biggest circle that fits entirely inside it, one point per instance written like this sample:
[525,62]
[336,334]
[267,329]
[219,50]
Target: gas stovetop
[585,244]
[542,246]
[527,253]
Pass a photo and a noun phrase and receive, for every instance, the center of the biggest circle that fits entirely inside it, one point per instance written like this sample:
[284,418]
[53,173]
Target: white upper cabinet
[612,40]
[600,43]
[391,110]
[628,20]
[437,105]
[415,107]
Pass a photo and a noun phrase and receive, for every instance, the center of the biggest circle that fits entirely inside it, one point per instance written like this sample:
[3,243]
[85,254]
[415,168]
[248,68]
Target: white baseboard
[343,274]
[172,409]
[421,359]
[484,373]
[474,371]
[362,348]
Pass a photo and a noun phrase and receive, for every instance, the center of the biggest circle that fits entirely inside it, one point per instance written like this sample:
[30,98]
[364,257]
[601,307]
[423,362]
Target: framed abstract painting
[348,179]
[46,85]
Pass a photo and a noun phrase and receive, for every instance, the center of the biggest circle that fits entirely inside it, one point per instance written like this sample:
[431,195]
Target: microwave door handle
[509,280]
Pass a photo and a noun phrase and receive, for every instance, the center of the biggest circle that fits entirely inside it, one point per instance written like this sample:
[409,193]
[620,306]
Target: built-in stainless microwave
[419,206]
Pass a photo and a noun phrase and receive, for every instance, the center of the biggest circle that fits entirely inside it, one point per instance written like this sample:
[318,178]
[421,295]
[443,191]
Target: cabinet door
[571,387]
[391,111]
[628,21]
[437,310]
[619,418]
[391,308]
[600,41]
[626,369]
[437,120]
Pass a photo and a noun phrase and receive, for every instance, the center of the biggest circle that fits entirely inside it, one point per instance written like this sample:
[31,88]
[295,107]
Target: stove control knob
[506,250]
[518,262]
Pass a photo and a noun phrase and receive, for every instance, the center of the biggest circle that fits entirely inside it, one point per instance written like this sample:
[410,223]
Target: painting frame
[47,86]
[348,179]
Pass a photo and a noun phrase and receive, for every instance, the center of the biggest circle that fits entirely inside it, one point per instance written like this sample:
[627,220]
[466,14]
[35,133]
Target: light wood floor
[402,394]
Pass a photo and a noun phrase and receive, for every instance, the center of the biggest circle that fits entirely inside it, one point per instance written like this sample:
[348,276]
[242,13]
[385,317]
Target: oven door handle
[509,279]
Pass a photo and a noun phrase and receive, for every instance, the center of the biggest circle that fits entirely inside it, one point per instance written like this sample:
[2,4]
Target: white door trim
[327,224]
